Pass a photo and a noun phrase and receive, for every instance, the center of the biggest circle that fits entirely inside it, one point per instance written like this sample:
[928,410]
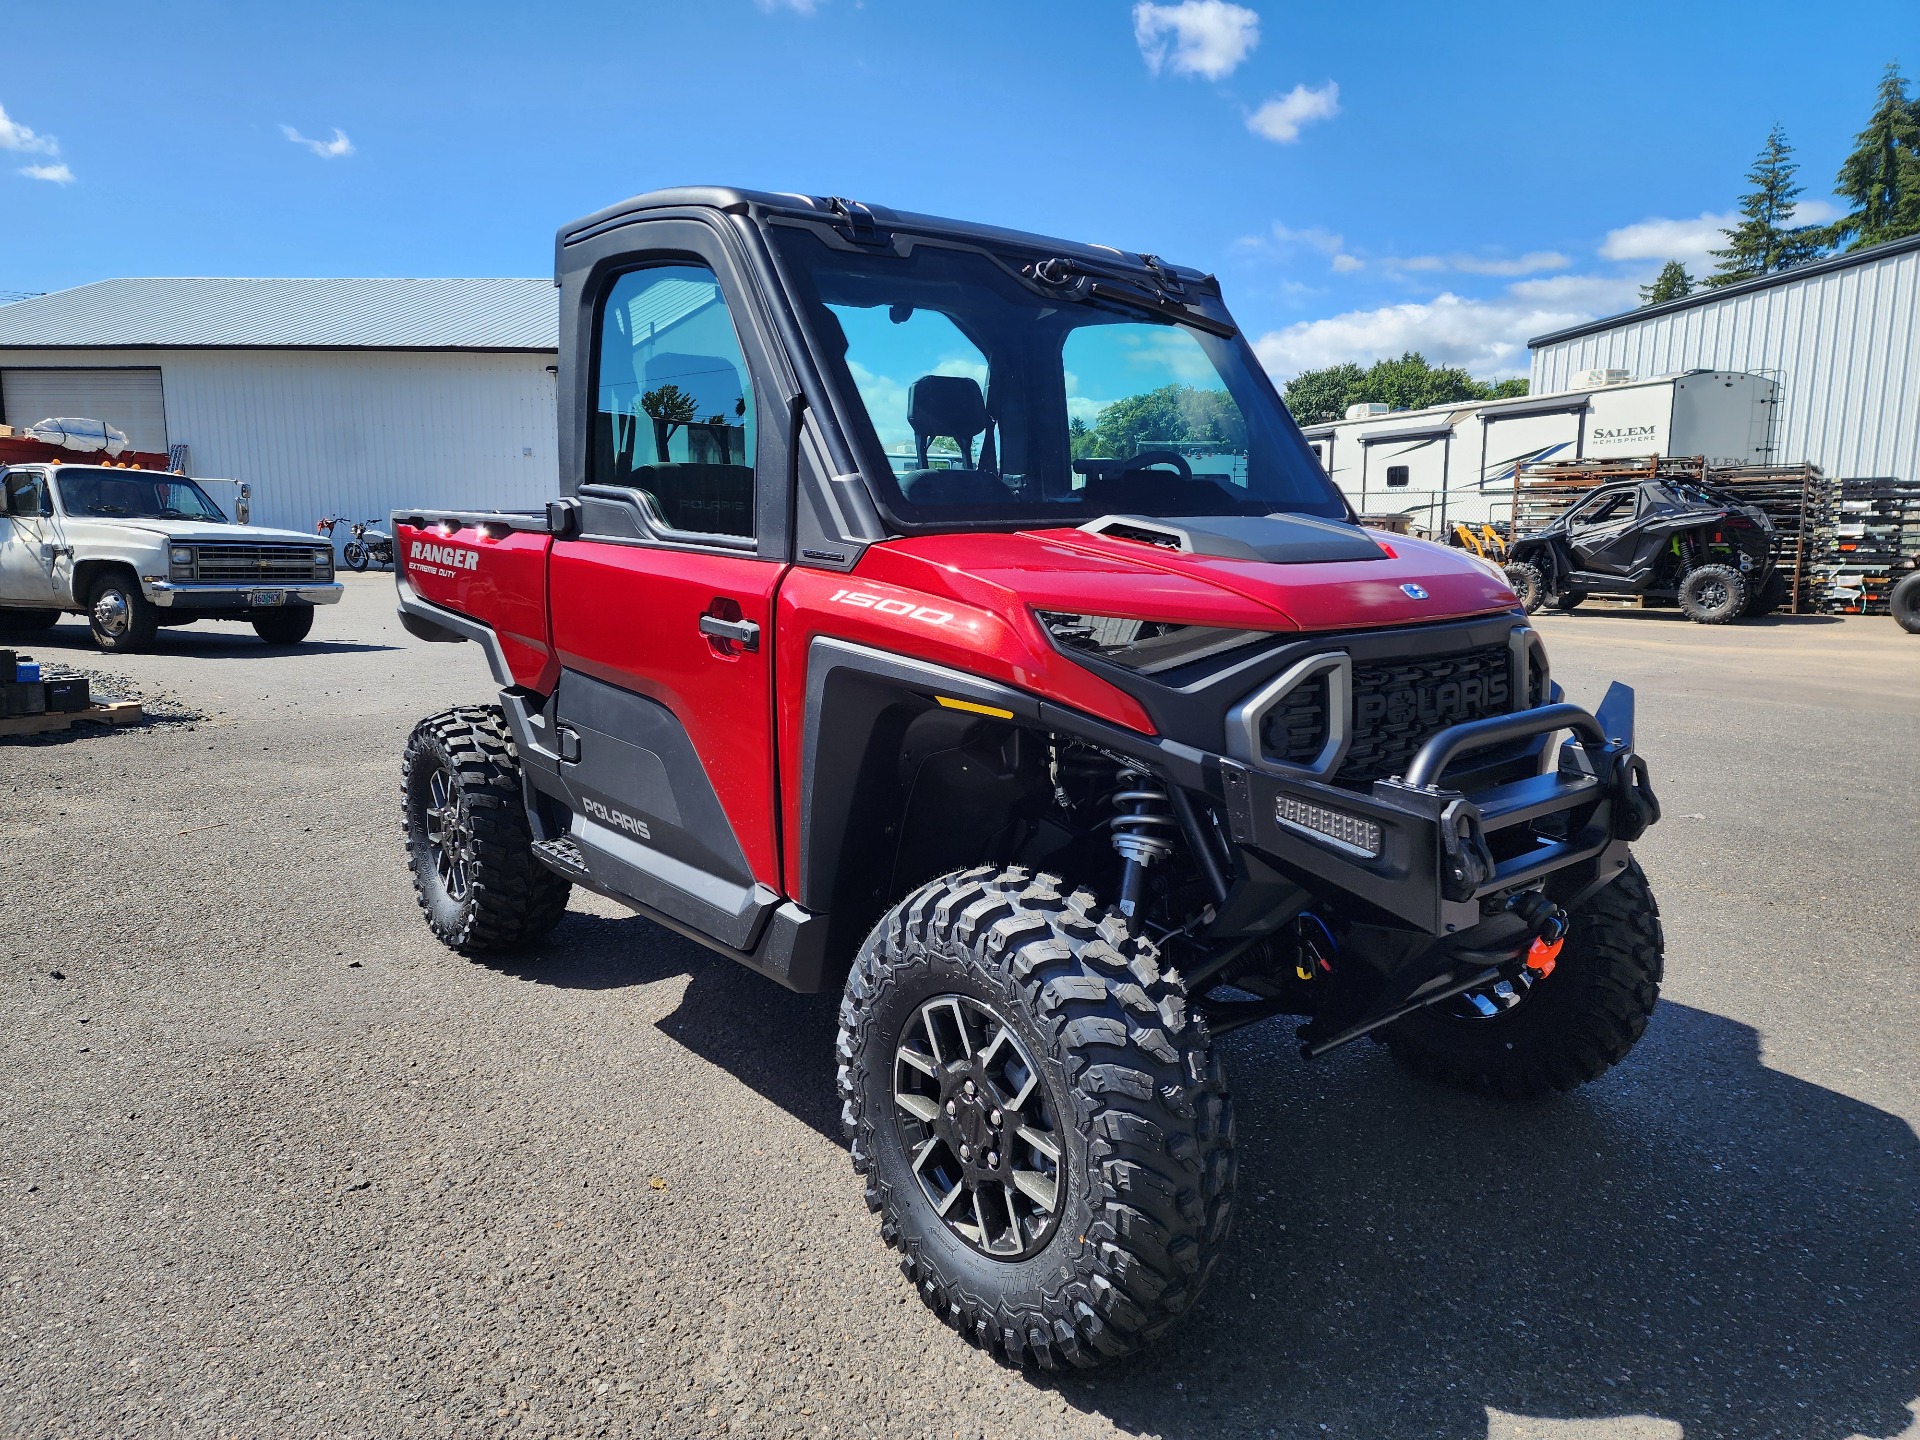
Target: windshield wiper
[1164,303]
[108,510]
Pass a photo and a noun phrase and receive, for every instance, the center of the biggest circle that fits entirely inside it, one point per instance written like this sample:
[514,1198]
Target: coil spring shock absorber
[1143,814]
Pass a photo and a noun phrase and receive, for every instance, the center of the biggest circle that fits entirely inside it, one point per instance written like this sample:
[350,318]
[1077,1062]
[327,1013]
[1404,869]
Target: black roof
[816,207]
[1863,256]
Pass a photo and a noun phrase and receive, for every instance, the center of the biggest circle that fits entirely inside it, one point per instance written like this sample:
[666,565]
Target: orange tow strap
[1541,957]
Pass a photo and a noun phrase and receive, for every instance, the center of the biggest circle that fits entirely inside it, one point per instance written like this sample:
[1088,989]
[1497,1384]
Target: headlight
[1148,646]
[323,557]
[181,556]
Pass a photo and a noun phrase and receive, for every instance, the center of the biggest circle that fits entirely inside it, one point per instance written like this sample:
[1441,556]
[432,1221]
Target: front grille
[258,564]
[1397,705]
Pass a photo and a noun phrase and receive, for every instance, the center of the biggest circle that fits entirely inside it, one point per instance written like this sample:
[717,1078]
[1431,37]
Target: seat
[951,407]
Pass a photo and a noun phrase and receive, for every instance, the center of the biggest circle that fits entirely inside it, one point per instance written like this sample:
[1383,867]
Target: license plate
[267,597]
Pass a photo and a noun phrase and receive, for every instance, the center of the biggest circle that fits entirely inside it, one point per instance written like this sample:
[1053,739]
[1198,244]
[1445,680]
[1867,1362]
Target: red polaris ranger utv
[957,616]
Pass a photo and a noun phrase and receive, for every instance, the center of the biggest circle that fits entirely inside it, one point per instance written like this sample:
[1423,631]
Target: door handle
[743,633]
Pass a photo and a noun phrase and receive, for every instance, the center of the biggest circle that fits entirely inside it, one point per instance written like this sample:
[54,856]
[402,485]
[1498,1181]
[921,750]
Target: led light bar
[1348,832]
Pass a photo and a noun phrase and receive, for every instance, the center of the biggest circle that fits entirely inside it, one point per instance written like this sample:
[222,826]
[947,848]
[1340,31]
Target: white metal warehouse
[327,396]
[1841,336]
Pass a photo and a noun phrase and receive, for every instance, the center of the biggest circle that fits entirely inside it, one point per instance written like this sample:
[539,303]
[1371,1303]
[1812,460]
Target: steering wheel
[1147,459]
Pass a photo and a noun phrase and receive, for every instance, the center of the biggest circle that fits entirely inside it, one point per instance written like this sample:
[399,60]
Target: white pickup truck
[133,550]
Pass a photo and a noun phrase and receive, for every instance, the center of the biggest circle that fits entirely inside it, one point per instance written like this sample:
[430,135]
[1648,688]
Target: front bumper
[1428,854]
[191,595]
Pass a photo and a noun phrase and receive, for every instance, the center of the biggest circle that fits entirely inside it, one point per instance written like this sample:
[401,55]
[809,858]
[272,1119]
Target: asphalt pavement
[274,1163]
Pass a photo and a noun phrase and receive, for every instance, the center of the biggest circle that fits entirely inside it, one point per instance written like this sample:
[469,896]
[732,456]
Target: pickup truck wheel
[288,626]
[121,616]
[1529,584]
[1535,1035]
[1903,602]
[468,843]
[1040,1118]
[1713,594]
[25,621]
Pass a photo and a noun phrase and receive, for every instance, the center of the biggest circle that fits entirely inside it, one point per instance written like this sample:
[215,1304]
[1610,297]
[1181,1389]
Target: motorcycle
[368,545]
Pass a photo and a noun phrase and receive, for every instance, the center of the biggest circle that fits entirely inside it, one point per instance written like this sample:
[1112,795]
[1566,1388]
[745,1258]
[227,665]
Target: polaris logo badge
[618,819]
[455,557]
[1435,703]
[1413,592]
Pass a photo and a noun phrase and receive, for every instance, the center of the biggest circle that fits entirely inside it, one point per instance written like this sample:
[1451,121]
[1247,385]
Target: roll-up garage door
[128,400]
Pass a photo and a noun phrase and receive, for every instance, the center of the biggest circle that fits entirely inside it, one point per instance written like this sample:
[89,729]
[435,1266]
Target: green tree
[1409,383]
[669,407]
[1173,413]
[1882,175]
[1766,240]
[1672,283]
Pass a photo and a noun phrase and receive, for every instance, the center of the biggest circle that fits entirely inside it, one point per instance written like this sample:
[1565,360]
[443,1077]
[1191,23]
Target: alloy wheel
[449,834]
[977,1127]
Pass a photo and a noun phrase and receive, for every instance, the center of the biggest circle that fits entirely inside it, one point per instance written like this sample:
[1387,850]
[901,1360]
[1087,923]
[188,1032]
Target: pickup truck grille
[1397,705]
[258,564]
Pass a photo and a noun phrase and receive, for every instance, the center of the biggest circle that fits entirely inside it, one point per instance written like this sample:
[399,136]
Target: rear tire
[1140,1183]
[121,617]
[1713,594]
[1903,602]
[1771,595]
[1528,584]
[469,845]
[284,627]
[1570,1026]
[1568,599]
[25,622]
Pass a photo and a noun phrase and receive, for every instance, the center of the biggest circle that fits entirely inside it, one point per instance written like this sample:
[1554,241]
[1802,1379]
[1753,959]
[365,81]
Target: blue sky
[1363,178]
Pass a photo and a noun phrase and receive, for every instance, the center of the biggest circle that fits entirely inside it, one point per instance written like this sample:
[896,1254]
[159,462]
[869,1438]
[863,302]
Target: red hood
[1412,582]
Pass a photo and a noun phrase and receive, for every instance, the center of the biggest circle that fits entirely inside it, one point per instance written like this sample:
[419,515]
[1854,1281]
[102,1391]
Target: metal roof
[1708,296]
[289,314]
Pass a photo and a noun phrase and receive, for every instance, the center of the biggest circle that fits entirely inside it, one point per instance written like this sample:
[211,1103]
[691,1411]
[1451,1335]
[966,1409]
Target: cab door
[663,605]
[32,560]
[1600,532]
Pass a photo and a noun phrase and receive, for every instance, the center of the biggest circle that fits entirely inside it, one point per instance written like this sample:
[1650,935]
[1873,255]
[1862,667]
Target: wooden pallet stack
[1798,499]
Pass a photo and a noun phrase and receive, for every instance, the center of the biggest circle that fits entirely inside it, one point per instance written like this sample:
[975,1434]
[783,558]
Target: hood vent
[1276,539]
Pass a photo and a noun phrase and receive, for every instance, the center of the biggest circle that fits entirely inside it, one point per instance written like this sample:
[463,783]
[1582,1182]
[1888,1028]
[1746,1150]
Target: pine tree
[1672,283]
[1882,175]
[1767,240]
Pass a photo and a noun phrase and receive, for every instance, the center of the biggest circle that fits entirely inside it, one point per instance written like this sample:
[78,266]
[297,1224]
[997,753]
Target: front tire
[355,554]
[1523,1040]
[1903,602]
[1771,595]
[121,617]
[1529,584]
[287,626]
[469,845]
[1713,594]
[1106,1193]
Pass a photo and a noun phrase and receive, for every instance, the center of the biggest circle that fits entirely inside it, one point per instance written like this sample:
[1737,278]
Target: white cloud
[58,174]
[798,7]
[1347,264]
[1488,337]
[1281,119]
[1658,238]
[1283,240]
[15,136]
[1816,212]
[1208,38]
[336,148]
[1530,263]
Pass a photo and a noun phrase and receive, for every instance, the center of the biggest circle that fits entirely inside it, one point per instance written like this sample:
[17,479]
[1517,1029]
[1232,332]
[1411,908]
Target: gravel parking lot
[274,1163]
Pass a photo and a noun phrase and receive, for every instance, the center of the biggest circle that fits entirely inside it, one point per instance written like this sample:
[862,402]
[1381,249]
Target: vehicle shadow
[221,644]
[1696,1238]
[1673,616]
[777,1043]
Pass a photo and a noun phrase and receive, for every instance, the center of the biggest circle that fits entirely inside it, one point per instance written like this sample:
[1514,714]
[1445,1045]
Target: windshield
[982,399]
[134,494]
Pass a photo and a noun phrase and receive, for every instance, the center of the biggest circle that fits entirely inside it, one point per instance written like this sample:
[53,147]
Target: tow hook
[1548,924]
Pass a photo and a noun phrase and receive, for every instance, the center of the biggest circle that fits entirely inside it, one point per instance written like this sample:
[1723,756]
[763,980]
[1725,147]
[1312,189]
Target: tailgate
[489,567]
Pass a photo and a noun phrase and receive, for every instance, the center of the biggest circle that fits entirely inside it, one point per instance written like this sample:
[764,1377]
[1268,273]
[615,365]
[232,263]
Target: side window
[1606,510]
[1397,477]
[26,494]
[674,414]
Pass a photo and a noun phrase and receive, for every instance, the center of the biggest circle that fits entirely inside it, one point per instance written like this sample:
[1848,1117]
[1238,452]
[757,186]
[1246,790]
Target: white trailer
[1453,464]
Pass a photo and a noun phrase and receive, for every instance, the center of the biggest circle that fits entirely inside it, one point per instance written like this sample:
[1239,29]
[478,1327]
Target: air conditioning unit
[1367,410]
[1594,379]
